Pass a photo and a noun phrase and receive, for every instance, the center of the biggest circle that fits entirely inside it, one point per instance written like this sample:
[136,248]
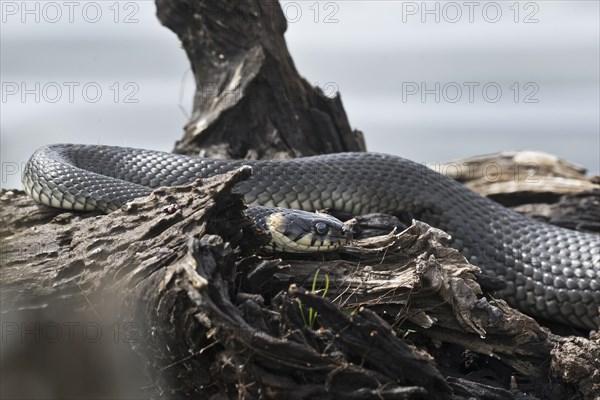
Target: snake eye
[321,228]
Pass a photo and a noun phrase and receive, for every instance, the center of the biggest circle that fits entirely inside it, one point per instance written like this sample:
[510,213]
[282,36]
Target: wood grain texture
[186,307]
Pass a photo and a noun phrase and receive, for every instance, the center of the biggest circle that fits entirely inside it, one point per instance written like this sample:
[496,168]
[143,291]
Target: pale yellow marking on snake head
[304,232]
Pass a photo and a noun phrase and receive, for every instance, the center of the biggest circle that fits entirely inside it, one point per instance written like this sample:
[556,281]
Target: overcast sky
[452,80]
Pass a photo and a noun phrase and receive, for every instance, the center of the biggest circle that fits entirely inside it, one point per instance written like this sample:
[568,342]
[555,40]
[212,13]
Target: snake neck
[549,271]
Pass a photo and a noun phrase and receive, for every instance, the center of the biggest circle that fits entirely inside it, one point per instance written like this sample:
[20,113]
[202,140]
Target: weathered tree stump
[250,101]
[186,306]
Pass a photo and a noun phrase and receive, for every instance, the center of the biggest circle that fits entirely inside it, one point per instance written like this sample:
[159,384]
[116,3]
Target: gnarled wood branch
[175,276]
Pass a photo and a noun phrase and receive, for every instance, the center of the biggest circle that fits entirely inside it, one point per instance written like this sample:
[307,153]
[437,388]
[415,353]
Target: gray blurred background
[497,75]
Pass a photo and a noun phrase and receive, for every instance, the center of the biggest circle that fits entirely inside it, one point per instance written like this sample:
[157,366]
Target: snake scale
[550,272]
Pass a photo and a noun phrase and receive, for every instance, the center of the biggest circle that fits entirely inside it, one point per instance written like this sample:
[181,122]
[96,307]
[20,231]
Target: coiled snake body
[550,272]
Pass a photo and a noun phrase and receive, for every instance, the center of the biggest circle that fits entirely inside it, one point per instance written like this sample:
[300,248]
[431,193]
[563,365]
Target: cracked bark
[250,101]
[173,284]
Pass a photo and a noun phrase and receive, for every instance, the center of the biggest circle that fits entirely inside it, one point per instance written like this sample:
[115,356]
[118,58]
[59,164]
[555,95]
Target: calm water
[472,82]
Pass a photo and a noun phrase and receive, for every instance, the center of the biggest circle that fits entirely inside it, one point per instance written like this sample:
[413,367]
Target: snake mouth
[294,231]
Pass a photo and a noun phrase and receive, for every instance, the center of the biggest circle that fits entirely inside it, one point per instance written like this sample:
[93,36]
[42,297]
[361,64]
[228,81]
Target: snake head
[295,231]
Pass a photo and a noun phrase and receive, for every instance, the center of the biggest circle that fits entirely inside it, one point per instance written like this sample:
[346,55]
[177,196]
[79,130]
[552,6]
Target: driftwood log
[250,101]
[534,183]
[170,297]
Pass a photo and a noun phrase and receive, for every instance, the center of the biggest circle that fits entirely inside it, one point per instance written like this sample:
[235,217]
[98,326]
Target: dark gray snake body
[550,272]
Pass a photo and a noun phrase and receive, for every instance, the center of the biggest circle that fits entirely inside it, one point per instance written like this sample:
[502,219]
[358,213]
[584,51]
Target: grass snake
[550,272]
